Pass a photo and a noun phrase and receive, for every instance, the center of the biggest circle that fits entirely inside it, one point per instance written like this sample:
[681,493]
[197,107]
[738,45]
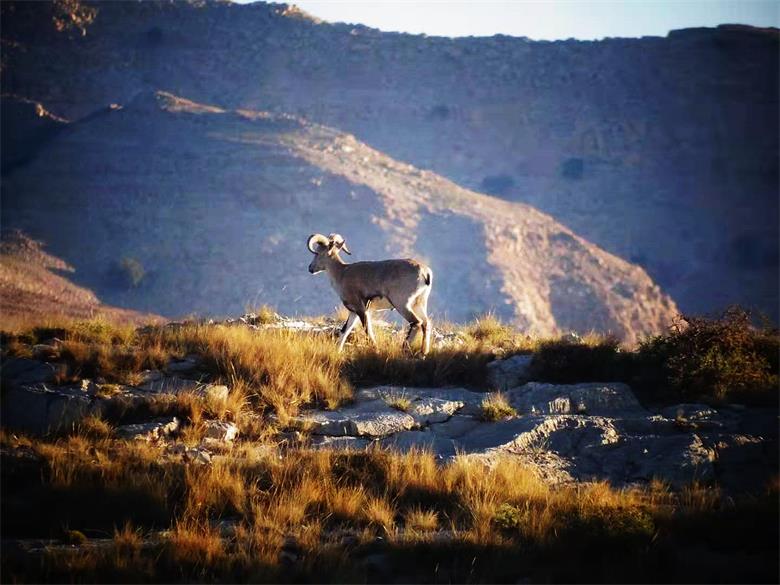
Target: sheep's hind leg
[415,324]
[365,318]
[349,325]
[421,309]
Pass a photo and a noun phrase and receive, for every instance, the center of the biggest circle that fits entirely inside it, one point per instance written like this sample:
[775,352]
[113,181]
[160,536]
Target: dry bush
[724,358]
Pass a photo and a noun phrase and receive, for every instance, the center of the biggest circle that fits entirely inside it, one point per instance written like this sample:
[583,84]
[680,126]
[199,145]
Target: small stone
[220,431]
[150,431]
[197,456]
[214,392]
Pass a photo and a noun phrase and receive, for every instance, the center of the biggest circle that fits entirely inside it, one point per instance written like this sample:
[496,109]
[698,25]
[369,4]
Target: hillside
[33,288]
[662,151]
[215,206]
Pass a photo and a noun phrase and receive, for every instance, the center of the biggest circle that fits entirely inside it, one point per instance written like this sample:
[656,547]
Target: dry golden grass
[283,369]
[310,497]
[421,520]
[496,407]
[398,400]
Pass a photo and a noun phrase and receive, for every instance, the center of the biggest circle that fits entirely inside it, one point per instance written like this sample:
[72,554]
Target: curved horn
[316,239]
[339,242]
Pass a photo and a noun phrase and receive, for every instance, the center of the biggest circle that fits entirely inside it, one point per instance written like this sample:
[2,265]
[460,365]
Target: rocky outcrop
[609,436]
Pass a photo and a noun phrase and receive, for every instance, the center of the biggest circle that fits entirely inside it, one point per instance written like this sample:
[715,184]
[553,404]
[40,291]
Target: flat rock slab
[563,434]
[176,386]
[421,440]
[150,431]
[456,426]
[356,423]
[371,414]
[470,400]
[591,398]
[341,443]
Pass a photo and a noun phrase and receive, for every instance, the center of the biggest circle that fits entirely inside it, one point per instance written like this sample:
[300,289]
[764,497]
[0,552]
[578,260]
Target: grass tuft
[495,407]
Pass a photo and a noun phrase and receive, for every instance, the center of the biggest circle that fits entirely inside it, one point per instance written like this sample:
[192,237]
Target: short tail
[428,276]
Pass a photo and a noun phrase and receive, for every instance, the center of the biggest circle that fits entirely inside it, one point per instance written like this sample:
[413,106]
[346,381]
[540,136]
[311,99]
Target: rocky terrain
[662,151]
[212,207]
[566,433]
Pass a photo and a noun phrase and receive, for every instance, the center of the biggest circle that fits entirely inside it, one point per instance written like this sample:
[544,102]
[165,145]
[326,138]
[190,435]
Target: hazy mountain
[211,208]
[663,151]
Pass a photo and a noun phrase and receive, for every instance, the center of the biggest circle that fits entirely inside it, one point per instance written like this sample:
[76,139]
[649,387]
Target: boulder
[433,410]
[150,431]
[588,398]
[690,412]
[510,372]
[24,372]
[39,409]
[220,431]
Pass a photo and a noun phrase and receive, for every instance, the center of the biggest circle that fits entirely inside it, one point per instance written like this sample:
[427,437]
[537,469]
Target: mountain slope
[32,288]
[663,151]
[216,205]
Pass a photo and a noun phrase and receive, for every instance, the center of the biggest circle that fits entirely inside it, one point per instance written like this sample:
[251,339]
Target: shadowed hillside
[32,288]
[214,207]
[662,151]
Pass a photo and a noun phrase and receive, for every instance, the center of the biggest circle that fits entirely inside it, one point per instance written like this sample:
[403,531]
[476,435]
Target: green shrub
[510,518]
[719,359]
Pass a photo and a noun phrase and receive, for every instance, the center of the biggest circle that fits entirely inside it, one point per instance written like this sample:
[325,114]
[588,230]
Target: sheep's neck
[335,268]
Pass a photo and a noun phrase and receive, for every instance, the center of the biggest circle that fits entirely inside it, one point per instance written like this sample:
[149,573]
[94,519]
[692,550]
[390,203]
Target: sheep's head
[324,249]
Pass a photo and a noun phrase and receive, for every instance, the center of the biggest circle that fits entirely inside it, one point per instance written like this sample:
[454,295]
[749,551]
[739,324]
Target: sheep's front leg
[349,325]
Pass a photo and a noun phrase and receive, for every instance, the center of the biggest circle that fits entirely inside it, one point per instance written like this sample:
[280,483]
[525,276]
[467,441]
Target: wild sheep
[404,284]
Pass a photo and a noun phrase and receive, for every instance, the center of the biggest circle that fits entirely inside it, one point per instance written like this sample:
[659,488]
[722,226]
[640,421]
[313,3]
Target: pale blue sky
[545,19]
